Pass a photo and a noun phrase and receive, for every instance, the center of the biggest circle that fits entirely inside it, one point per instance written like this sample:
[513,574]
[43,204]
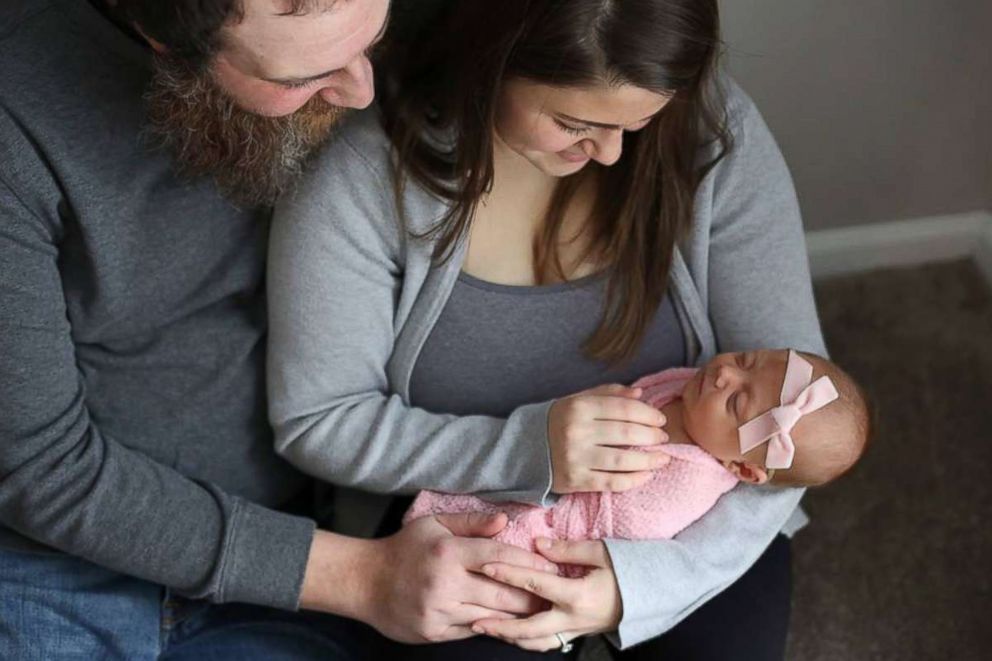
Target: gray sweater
[132,324]
[353,299]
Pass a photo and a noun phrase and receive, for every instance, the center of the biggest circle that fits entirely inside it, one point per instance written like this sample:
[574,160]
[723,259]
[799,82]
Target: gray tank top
[497,347]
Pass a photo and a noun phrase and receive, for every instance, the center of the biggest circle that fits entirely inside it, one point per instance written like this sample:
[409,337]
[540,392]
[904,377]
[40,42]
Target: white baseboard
[892,244]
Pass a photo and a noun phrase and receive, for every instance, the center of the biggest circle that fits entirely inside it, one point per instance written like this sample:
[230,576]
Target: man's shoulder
[29,35]
[15,14]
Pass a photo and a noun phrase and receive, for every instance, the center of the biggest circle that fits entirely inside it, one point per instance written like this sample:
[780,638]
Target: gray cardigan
[353,298]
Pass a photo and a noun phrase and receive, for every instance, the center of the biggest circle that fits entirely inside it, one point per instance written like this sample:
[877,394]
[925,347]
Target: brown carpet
[896,563]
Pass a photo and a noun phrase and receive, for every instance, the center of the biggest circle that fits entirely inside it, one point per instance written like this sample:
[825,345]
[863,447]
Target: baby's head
[735,389]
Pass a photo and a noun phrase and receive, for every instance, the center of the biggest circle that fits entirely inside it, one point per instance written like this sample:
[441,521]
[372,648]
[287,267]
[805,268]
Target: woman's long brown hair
[439,103]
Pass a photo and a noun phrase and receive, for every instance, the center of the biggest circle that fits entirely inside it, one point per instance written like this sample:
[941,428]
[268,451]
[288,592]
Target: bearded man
[143,513]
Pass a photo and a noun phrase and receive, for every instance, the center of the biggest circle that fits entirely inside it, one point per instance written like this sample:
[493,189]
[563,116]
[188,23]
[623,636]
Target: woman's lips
[573,157]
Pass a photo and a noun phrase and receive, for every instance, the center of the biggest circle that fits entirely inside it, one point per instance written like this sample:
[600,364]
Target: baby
[765,417]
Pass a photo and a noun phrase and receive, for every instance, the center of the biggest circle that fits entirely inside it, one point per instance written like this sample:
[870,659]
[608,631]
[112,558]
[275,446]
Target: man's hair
[190,29]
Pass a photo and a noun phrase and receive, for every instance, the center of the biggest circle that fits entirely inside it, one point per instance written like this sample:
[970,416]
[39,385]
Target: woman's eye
[570,129]
[732,404]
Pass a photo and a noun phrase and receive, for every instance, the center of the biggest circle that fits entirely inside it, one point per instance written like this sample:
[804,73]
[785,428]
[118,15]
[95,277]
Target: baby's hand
[595,435]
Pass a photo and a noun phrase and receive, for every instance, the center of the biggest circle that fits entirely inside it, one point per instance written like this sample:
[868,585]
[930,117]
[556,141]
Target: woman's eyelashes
[574,130]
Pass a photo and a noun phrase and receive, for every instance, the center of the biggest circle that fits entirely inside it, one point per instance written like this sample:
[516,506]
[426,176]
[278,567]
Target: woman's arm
[336,267]
[760,295]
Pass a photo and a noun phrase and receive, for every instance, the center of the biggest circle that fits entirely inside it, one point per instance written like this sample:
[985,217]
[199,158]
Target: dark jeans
[749,620]
[55,607]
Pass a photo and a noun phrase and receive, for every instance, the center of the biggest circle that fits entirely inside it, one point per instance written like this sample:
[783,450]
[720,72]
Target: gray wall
[883,108]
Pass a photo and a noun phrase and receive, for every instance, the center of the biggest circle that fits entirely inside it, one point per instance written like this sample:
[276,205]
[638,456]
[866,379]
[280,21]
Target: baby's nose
[726,375]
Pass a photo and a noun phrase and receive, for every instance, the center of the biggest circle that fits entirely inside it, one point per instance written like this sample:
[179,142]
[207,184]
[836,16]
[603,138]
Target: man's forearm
[341,575]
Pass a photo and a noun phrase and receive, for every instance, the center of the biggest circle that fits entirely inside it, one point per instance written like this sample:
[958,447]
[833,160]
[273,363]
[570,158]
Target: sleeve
[67,485]
[760,295]
[335,282]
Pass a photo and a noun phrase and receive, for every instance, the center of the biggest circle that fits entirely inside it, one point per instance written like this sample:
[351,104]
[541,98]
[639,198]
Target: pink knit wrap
[677,495]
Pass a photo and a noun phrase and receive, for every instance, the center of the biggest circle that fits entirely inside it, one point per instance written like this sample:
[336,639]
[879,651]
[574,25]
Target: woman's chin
[555,166]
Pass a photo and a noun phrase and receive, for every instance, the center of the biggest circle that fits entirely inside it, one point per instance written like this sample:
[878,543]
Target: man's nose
[609,146]
[353,87]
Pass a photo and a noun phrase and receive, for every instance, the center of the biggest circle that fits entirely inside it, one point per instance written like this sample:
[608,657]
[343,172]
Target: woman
[554,197]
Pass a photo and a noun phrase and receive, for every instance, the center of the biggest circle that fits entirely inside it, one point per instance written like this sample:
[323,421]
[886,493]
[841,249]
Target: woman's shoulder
[358,143]
[354,173]
[740,111]
[346,190]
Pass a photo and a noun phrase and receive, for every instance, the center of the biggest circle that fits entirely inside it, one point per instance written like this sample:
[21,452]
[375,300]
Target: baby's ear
[747,472]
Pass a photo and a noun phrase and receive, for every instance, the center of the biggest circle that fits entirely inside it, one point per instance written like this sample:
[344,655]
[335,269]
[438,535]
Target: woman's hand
[591,435]
[579,606]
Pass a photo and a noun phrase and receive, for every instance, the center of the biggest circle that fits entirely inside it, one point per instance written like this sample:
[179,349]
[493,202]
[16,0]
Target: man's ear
[157,46]
[748,472]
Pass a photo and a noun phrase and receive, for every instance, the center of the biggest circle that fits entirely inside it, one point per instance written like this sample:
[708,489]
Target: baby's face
[730,390]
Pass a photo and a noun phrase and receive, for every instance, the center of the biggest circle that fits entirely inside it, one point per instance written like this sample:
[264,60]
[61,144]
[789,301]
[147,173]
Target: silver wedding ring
[566,646]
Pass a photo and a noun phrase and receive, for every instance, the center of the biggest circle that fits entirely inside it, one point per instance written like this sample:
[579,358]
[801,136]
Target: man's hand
[424,583]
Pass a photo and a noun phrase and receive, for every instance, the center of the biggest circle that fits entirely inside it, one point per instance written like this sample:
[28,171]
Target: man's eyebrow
[308,79]
[600,124]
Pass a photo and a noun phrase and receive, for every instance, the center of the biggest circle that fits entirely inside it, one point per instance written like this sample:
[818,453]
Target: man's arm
[64,483]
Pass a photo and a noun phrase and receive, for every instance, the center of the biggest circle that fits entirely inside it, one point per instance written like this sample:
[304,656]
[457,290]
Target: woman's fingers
[626,461]
[625,409]
[476,553]
[626,433]
[472,613]
[612,390]
[546,586]
[544,644]
[616,482]
[495,596]
[546,623]
[590,553]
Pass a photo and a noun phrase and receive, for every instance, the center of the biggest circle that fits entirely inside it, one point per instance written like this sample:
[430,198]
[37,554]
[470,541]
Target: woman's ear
[748,472]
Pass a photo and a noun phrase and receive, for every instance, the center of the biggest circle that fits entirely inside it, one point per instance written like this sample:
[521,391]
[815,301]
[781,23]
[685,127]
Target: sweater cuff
[529,426]
[266,557]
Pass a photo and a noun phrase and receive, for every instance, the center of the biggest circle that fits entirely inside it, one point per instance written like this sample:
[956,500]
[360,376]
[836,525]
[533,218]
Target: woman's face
[560,129]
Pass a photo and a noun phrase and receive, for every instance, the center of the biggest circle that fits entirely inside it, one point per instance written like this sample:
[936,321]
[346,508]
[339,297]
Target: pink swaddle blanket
[677,495]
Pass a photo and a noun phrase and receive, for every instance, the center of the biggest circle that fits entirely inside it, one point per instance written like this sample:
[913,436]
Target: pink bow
[799,397]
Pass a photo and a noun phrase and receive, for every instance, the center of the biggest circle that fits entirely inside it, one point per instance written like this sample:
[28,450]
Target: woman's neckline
[498,287]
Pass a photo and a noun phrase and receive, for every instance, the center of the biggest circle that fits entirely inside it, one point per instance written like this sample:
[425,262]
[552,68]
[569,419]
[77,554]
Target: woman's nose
[353,86]
[609,146]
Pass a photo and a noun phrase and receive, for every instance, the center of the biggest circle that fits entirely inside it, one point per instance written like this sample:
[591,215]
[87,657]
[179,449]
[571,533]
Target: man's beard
[253,159]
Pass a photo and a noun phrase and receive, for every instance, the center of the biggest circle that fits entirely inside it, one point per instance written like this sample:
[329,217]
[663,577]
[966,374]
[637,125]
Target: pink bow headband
[799,398]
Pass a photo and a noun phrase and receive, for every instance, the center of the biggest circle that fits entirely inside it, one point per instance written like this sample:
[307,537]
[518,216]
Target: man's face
[269,98]
[272,64]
